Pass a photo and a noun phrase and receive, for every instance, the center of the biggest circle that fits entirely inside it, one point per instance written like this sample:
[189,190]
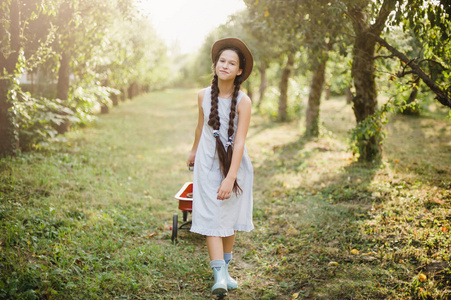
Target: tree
[363,69]
[369,19]
[77,36]
[312,114]
[9,142]
[16,15]
[270,20]
[323,27]
[264,48]
[431,24]
[313,25]
[283,87]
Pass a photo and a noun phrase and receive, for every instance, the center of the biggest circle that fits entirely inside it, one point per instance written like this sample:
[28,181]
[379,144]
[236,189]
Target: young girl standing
[223,173]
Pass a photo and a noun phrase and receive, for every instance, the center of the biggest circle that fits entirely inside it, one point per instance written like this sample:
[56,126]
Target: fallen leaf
[152,234]
[355,251]
[295,296]
[422,277]
[333,263]
[444,229]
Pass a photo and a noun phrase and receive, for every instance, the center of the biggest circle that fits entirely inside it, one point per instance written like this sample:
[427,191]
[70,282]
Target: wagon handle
[191,167]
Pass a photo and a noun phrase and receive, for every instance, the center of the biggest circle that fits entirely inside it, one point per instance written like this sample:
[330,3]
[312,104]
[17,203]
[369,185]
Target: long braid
[236,188]
[225,155]
[233,105]
[214,122]
[214,114]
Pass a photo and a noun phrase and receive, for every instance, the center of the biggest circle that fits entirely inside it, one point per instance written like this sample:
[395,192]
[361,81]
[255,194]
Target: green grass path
[90,217]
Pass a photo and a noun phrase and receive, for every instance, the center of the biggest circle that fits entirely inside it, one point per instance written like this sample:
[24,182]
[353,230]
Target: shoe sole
[219,291]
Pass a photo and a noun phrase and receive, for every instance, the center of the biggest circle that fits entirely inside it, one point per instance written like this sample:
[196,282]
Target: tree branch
[433,61]
[387,7]
[384,56]
[442,96]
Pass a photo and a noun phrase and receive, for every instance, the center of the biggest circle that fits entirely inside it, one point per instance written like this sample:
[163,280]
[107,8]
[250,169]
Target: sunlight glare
[184,23]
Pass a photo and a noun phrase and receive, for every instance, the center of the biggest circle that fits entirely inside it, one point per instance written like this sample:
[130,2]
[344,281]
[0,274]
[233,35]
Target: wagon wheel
[174,227]
[185,215]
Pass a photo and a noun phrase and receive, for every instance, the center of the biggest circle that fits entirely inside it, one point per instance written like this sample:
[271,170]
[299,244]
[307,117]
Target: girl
[223,173]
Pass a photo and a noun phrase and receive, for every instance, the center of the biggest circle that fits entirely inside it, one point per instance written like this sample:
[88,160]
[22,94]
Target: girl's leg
[215,247]
[227,243]
[217,264]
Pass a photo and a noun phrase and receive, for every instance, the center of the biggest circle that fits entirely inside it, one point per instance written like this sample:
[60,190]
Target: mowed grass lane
[90,217]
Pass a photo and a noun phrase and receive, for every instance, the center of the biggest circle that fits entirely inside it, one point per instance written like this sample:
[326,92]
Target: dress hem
[220,233]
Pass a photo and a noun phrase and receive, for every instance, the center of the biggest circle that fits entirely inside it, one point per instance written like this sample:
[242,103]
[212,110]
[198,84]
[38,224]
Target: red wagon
[185,197]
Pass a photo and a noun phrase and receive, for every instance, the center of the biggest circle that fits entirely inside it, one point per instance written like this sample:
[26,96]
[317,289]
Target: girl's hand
[225,189]
[191,159]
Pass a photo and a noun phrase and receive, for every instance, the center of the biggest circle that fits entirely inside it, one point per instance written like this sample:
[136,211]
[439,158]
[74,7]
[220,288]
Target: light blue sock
[217,264]
[227,257]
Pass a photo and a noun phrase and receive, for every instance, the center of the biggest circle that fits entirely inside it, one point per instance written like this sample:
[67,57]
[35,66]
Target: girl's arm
[244,112]
[198,131]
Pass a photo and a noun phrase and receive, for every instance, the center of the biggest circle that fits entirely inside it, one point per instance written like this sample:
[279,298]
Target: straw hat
[236,43]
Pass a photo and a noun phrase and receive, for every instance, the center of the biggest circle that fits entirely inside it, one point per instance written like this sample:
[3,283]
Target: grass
[90,217]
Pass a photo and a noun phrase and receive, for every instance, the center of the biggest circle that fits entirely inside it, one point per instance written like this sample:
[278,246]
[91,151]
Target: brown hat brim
[236,43]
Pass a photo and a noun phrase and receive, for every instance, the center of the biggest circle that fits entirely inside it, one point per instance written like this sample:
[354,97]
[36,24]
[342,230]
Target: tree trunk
[249,89]
[62,90]
[104,109]
[137,89]
[115,99]
[363,68]
[283,99]
[263,84]
[327,92]
[316,87]
[9,134]
[348,94]
[365,100]
[131,91]
[124,94]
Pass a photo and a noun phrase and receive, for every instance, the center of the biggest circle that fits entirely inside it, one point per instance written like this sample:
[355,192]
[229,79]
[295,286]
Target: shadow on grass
[306,233]
[425,148]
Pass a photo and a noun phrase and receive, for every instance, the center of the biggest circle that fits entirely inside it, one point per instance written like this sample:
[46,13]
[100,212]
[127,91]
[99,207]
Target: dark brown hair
[225,153]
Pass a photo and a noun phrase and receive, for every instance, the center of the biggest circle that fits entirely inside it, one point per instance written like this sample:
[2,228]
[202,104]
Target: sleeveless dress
[213,217]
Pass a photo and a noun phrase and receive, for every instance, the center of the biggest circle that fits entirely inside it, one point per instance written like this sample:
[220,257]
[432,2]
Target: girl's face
[228,65]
